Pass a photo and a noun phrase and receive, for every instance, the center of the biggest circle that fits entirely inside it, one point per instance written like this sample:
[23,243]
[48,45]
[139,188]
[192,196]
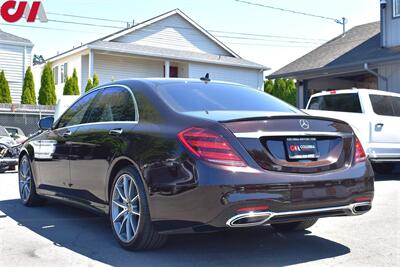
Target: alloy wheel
[125,208]
[25,178]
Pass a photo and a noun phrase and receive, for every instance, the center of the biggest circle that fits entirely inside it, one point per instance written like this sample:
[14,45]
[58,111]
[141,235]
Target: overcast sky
[215,15]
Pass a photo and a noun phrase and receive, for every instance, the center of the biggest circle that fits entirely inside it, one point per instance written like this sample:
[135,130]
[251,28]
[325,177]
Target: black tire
[383,168]
[33,199]
[145,237]
[294,226]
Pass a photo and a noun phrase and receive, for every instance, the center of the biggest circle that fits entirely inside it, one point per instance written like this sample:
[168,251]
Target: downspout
[383,23]
[258,80]
[376,74]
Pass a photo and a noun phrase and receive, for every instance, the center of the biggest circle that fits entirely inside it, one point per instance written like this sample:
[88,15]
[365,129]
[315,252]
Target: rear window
[189,97]
[385,105]
[339,102]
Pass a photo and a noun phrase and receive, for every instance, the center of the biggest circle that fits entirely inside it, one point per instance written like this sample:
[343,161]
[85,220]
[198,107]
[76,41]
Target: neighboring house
[366,56]
[169,45]
[15,58]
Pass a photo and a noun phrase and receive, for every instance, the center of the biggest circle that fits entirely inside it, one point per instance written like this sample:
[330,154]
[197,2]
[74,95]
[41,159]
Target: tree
[5,95]
[75,84]
[96,81]
[269,86]
[89,85]
[47,91]
[68,87]
[283,89]
[28,90]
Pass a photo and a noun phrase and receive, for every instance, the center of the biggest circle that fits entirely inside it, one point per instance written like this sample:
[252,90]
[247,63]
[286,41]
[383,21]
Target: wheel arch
[115,167]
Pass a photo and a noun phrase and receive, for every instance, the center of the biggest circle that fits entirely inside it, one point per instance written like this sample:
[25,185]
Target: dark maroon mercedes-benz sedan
[163,156]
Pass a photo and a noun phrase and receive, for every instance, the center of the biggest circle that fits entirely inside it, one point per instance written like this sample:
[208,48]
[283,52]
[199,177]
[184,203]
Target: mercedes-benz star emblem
[304,124]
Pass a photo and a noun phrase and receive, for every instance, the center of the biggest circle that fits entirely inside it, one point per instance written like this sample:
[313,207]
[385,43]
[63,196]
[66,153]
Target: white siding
[12,62]
[74,61]
[392,72]
[175,33]
[249,77]
[110,68]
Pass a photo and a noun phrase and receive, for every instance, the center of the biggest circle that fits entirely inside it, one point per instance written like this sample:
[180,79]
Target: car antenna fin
[206,78]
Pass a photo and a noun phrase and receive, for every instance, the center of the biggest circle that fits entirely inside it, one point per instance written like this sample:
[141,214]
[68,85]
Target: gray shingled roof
[359,45]
[11,38]
[144,50]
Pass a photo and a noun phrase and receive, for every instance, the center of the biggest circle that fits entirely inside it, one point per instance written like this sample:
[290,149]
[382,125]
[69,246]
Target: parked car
[374,116]
[163,156]
[16,133]
[9,151]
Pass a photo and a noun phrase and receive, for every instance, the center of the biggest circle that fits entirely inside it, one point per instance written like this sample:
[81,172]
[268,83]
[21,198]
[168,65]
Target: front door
[54,147]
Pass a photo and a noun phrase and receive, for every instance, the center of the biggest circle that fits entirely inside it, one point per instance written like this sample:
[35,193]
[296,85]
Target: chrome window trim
[136,121]
[260,134]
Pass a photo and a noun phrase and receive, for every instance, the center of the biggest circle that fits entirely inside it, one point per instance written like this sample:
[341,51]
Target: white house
[15,58]
[169,45]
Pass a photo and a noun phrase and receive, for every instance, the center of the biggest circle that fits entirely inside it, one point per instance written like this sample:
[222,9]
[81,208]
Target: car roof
[165,81]
[355,91]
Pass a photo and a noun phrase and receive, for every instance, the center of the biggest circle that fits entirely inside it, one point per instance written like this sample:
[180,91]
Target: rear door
[385,120]
[104,135]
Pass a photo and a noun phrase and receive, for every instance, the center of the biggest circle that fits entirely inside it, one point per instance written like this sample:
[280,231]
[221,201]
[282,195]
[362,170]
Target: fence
[25,117]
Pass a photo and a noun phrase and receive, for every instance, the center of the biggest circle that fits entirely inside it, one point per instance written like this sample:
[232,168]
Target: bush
[5,95]
[75,84]
[68,87]
[96,81]
[28,90]
[283,89]
[89,86]
[47,92]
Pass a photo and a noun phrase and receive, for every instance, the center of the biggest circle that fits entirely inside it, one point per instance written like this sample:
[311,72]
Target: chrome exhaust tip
[360,208]
[249,219]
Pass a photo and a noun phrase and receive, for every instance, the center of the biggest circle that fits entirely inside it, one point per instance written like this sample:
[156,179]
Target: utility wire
[85,17]
[286,10]
[85,24]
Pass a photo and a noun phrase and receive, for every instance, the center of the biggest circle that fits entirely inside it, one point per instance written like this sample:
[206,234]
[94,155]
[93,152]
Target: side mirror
[46,123]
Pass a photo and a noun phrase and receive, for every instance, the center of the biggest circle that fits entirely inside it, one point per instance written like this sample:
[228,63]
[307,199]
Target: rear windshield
[3,132]
[385,105]
[339,102]
[188,97]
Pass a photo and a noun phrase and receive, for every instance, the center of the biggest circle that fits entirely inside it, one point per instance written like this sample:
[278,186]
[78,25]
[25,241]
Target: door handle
[115,131]
[67,133]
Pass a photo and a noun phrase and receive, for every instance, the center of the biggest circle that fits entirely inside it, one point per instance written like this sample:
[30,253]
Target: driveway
[59,235]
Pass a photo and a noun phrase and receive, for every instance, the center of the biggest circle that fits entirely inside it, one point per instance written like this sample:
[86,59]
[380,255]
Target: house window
[64,72]
[55,75]
[396,8]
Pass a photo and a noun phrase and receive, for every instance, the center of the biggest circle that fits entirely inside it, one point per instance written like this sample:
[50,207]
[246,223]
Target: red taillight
[361,199]
[210,146]
[360,153]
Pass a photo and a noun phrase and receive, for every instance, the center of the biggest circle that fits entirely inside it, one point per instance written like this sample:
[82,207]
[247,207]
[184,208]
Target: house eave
[335,70]
[23,44]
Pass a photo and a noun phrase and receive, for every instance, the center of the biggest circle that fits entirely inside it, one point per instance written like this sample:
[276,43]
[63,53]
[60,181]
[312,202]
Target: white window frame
[396,5]
[56,76]
[63,72]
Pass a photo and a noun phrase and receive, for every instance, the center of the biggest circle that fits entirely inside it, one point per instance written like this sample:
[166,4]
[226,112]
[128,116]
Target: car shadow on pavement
[90,235]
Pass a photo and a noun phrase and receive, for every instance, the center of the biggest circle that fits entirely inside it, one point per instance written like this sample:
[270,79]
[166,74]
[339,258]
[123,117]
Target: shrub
[89,86]
[75,84]
[47,91]
[96,81]
[5,95]
[28,90]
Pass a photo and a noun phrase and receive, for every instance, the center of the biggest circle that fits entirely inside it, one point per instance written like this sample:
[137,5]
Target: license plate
[302,148]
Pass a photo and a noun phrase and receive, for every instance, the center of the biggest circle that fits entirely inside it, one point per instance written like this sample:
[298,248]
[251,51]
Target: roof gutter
[376,74]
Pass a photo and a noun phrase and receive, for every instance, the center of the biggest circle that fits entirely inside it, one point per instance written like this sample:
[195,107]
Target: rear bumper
[250,219]
[219,193]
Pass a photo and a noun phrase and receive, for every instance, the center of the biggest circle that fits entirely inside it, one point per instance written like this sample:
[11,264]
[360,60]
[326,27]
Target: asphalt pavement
[58,235]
